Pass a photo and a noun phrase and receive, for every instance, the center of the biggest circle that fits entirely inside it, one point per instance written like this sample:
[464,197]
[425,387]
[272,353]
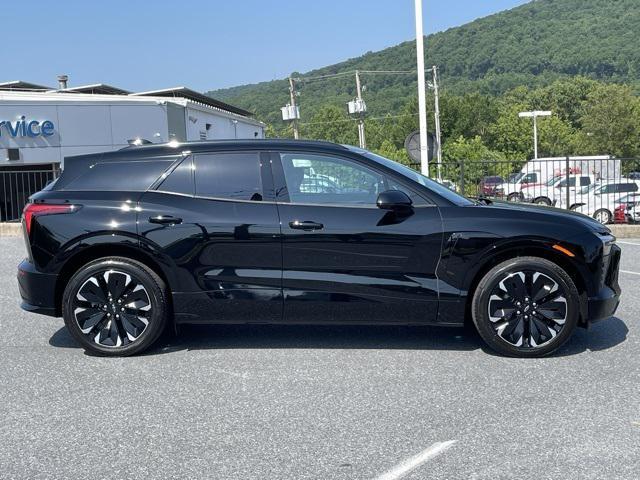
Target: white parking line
[629,243]
[629,273]
[412,463]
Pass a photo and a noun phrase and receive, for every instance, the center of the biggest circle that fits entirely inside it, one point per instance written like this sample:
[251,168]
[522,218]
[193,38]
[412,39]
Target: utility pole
[292,92]
[422,93]
[361,135]
[437,115]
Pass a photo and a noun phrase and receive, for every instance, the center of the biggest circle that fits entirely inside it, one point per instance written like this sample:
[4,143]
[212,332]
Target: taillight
[32,210]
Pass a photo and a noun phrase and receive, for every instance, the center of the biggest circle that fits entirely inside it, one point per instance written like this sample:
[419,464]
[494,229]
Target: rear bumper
[37,290]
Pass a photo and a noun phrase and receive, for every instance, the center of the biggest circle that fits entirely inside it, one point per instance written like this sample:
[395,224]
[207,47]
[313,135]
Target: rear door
[344,259]
[214,221]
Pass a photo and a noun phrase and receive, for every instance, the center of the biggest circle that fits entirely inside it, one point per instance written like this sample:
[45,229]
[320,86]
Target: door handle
[308,226]
[165,220]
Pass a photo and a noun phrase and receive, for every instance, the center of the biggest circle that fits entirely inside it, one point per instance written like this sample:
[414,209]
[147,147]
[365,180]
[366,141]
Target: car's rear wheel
[603,215]
[542,201]
[526,307]
[115,306]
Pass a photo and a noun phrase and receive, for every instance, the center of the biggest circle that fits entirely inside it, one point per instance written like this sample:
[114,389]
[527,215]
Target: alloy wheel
[112,308]
[603,216]
[527,309]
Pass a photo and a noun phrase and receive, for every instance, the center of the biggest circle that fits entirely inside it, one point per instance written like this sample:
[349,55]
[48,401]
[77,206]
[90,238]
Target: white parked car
[550,192]
[539,171]
[600,199]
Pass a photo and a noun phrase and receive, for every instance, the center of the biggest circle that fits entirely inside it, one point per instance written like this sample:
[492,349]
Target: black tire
[500,286]
[514,197]
[543,201]
[102,288]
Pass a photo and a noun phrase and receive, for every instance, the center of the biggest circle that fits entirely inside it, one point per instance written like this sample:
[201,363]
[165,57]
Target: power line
[353,72]
[355,119]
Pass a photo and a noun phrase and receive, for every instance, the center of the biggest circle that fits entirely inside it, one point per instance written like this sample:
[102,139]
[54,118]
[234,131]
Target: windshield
[515,177]
[416,177]
[553,181]
[589,188]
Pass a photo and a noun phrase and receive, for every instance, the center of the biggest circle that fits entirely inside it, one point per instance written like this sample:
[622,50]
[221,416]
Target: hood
[553,214]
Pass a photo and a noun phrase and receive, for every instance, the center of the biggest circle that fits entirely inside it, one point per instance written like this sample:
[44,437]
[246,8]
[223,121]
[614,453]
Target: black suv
[125,243]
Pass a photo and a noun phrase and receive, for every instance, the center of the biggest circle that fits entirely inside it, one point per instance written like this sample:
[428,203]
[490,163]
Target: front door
[214,221]
[344,259]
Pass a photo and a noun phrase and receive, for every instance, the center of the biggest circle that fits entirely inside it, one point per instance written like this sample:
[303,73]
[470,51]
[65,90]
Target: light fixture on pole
[422,93]
[535,114]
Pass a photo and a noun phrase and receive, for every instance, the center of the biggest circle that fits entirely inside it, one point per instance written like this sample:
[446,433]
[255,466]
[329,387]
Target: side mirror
[394,200]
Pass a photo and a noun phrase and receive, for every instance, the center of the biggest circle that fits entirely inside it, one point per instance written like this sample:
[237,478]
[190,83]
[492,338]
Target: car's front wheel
[525,307]
[115,306]
[604,216]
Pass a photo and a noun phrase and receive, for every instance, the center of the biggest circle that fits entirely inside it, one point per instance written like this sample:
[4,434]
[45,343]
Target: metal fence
[16,186]
[606,189]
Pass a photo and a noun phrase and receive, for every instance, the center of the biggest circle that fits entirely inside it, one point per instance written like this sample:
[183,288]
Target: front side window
[320,179]
[325,179]
[234,176]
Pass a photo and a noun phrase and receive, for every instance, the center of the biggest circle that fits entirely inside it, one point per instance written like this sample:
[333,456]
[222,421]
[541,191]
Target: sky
[204,45]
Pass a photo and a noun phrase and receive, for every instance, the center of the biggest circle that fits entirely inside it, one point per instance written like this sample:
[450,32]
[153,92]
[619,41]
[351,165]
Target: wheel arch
[93,252]
[538,250]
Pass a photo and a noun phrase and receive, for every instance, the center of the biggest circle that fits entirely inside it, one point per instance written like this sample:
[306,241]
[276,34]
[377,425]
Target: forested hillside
[532,45]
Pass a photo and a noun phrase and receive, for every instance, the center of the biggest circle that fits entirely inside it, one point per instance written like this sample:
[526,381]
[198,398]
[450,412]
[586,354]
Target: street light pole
[422,90]
[534,115]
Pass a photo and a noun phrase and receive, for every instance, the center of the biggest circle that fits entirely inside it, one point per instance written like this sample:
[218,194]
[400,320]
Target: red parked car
[488,185]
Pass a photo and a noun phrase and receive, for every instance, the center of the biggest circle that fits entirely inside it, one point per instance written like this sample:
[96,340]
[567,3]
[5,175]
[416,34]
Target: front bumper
[605,303]
[37,290]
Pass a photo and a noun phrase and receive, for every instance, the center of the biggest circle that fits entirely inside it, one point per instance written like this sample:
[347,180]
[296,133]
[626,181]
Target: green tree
[611,122]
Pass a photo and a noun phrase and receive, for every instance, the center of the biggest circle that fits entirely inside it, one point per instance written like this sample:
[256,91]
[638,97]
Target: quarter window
[233,176]
[180,180]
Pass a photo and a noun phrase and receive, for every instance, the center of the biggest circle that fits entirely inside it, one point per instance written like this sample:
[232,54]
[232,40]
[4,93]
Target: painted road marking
[412,463]
[629,243]
[628,272]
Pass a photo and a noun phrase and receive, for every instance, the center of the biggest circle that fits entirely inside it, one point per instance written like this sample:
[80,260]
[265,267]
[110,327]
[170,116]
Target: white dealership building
[40,126]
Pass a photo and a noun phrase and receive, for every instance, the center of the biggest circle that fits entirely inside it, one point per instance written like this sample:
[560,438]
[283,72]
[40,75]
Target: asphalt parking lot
[318,403]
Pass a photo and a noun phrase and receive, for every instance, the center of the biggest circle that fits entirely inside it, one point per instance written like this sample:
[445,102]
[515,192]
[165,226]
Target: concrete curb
[10,229]
[14,229]
[625,231]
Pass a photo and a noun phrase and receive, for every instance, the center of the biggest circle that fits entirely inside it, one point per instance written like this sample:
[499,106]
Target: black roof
[97,89]
[184,92]
[177,147]
[19,85]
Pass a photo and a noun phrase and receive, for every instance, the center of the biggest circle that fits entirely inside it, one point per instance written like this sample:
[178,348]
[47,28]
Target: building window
[13,154]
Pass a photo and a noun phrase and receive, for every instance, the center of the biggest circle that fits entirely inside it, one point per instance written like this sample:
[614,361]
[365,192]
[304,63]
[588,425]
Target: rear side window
[234,176]
[120,176]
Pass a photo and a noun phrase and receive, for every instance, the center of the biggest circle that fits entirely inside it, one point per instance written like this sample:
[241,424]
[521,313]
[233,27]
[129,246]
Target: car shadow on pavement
[602,336]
